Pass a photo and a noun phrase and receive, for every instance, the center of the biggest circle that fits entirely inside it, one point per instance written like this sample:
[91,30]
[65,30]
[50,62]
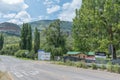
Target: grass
[5,76]
[110,67]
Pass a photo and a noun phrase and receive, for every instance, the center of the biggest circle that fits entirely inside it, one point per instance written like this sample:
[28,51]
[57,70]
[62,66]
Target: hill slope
[42,24]
[14,29]
[10,28]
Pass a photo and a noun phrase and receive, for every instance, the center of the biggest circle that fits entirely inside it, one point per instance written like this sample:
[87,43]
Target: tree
[1,41]
[55,39]
[97,24]
[29,39]
[36,40]
[26,37]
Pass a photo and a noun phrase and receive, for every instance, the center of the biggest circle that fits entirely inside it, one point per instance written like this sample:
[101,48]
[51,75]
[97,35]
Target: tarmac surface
[41,70]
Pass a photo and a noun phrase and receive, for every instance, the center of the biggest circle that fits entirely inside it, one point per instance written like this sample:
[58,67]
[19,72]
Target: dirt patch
[5,76]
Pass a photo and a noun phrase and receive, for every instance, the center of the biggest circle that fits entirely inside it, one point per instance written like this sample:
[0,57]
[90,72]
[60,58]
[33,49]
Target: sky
[19,11]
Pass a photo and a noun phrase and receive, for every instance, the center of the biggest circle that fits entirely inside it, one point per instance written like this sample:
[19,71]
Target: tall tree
[26,37]
[55,38]
[29,39]
[1,41]
[36,40]
[97,23]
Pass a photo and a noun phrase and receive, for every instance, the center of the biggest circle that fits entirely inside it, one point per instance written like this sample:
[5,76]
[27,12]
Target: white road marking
[34,72]
[18,74]
[26,74]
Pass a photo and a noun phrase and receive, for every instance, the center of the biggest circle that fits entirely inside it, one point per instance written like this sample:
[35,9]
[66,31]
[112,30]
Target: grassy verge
[109,67]
[5,76]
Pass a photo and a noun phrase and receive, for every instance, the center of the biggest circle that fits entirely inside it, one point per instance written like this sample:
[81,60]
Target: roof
[91,53]
[73,52]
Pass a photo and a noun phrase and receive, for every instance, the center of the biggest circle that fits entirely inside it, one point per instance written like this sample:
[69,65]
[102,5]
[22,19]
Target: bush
[31,55]
[94,66]
[9,50]
[110,67]
[116,68]
[21,53]
[2,52]
[103,67]
[70,63]
[118,52]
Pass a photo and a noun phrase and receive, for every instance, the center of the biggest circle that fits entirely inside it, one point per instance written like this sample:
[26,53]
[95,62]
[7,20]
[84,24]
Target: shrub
[2,52]
[21,53]
[31,54]
[103,67]
[110,67]
[78,64]
[70,63]
[81,65]
[94,66]
[9,50]
[118,52]
[116,68]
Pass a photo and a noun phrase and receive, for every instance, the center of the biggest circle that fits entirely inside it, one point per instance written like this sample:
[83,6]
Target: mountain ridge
[12,28]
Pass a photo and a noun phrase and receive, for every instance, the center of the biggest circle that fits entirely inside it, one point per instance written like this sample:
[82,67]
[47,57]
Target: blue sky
[19,11]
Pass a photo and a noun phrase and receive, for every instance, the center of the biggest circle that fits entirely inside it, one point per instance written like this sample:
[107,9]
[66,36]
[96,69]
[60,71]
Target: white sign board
[42,55]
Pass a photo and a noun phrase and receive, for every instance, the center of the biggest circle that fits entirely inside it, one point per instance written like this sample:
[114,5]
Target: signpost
[42,55]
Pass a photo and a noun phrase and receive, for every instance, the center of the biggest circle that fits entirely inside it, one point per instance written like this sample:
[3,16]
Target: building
[90,56]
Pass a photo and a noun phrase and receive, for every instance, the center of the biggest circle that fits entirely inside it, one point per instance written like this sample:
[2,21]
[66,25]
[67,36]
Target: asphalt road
[40,70]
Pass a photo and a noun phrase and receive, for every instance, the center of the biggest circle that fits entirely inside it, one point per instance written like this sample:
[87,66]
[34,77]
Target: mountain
[14,29]
[10,28]
[42,24]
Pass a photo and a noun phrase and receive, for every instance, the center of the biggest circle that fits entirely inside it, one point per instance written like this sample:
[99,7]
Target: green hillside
[42,24]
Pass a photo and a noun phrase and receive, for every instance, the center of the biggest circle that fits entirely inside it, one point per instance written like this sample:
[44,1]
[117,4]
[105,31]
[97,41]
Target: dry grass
[5,76]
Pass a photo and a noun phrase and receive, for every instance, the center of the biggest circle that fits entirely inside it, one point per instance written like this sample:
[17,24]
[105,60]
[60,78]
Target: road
[40,70]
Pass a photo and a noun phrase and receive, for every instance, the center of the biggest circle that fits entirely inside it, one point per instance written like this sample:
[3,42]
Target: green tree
[97,24]
[36,40]
[1,41]
[55,39]
[29,39]
[26,37]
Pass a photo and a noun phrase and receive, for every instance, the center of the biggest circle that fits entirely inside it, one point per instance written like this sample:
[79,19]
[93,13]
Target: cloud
[52,6]
[12,15]
[14,21]
[53,9]
[68,10]
[14,11]
[21,17]
[7,6]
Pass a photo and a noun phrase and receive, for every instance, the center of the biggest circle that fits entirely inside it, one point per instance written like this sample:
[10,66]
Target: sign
[42,55]
[100,55]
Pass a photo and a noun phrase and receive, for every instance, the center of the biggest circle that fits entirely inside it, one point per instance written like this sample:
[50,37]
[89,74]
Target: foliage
[1,41]
[31,55]
[110,67]
[55,39]
[26,37]
[21,53]
[70,63]
[103,67]
[116,68]
[96,25]
[81,65]
[36,40]
[94,66]
[118,52]
[9,49]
